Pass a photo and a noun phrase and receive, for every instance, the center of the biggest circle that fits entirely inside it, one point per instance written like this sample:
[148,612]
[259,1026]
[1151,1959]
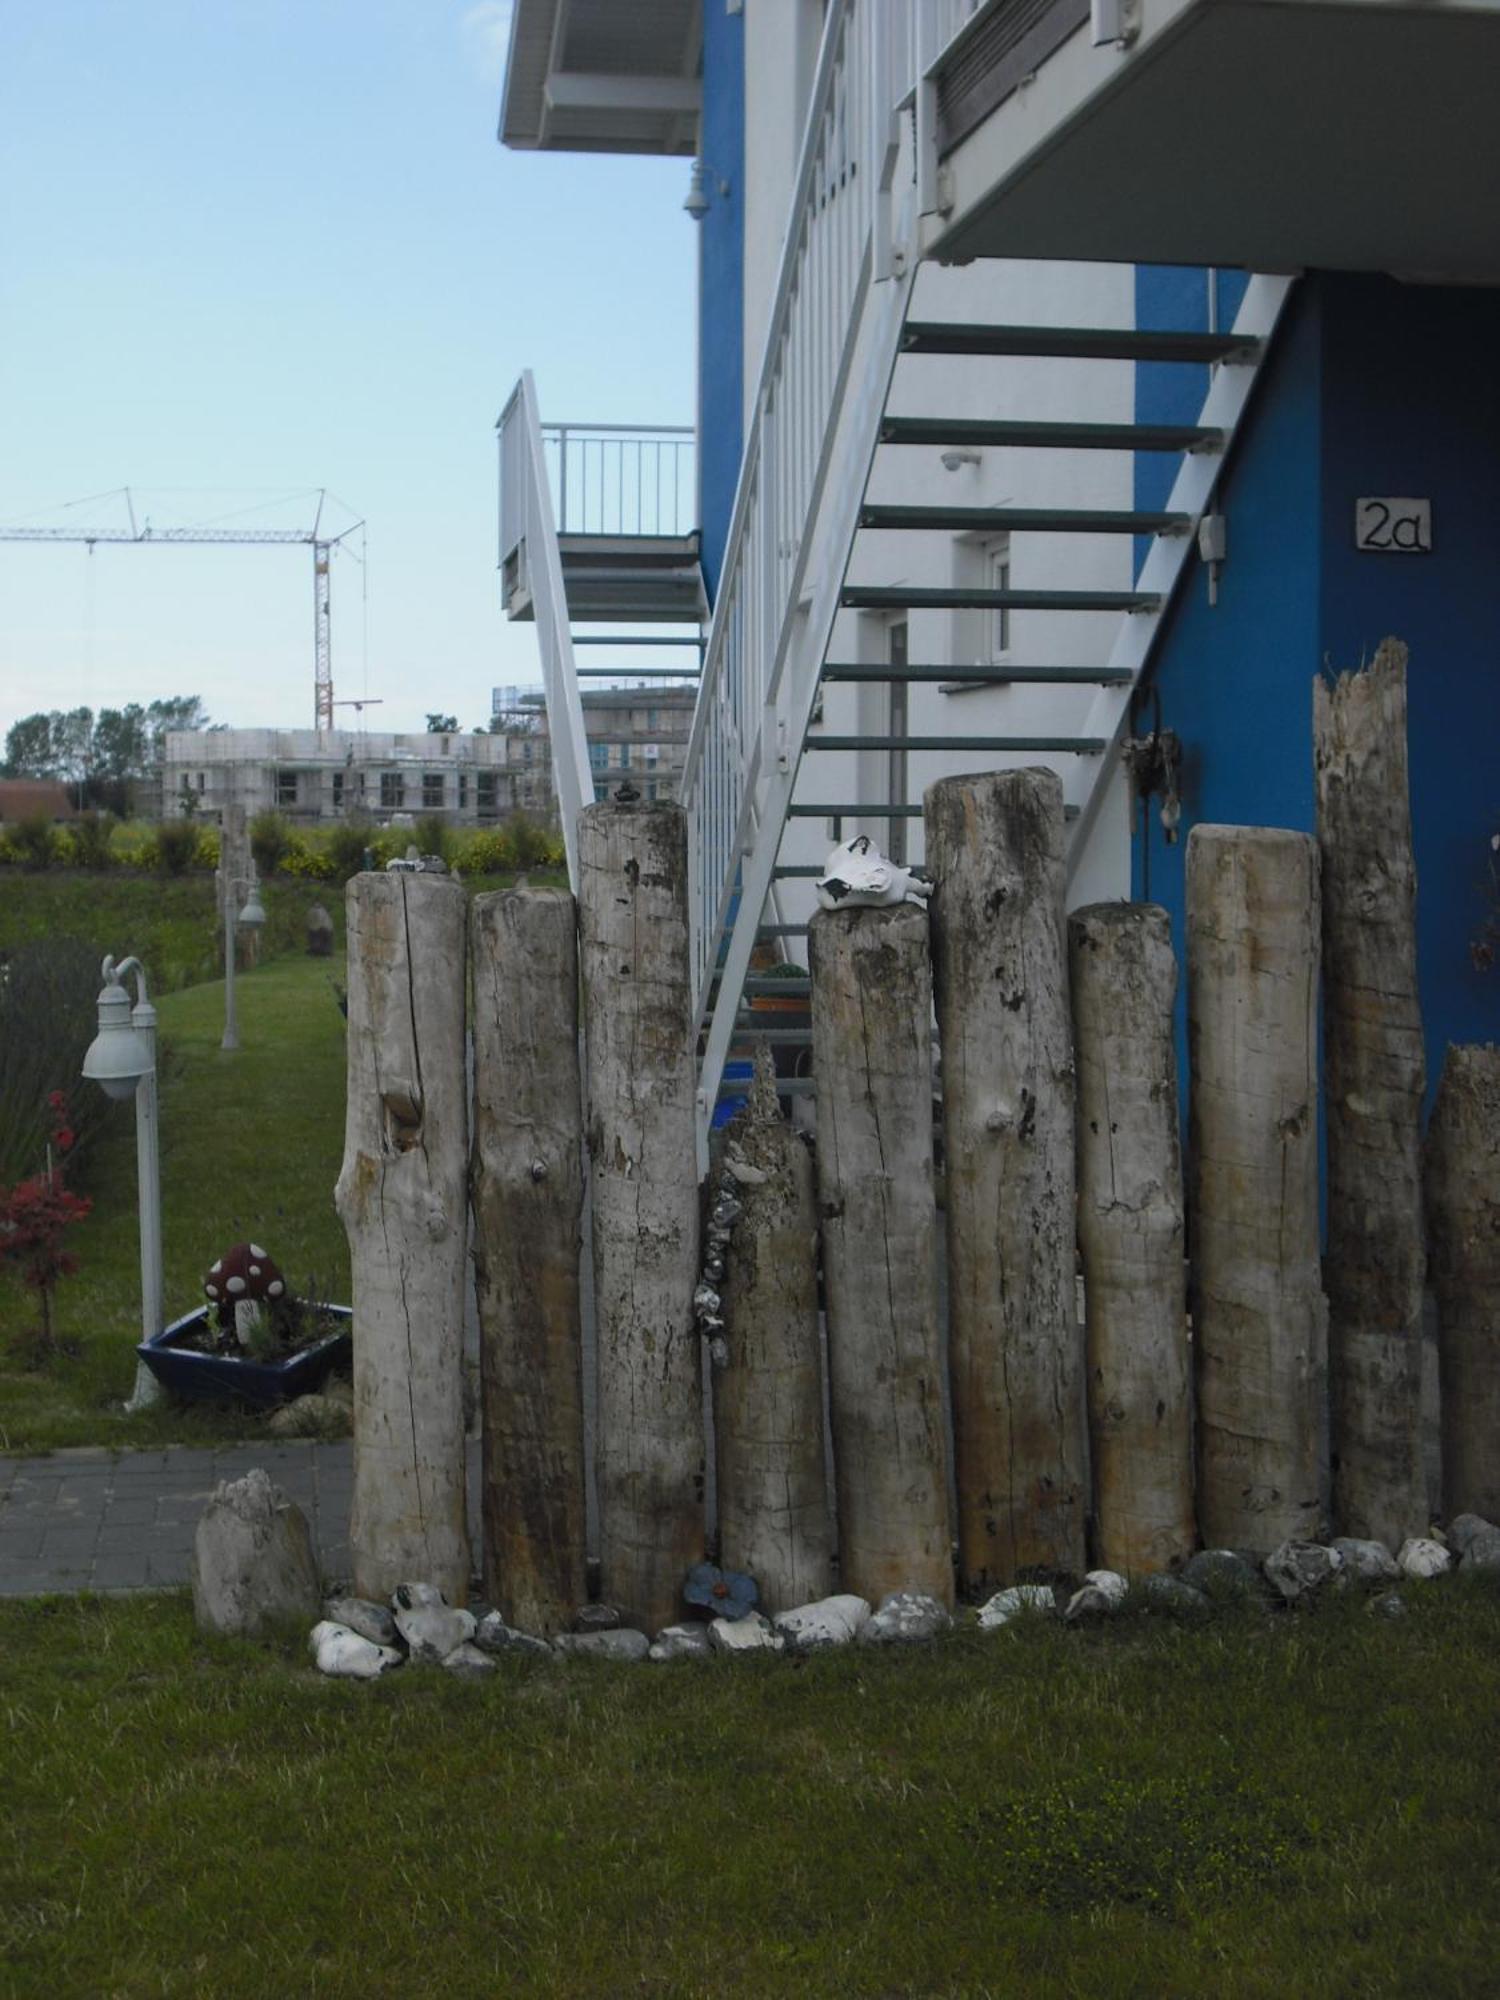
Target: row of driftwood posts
[1223,1366]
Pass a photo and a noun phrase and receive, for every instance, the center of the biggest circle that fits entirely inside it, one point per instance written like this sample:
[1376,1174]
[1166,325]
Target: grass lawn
[1271,1806]
[251,1143]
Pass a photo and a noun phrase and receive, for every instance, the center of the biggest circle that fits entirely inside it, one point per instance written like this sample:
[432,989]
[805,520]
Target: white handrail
[529,554]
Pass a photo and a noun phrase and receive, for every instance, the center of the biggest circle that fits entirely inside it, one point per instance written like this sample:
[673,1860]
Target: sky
[250,249]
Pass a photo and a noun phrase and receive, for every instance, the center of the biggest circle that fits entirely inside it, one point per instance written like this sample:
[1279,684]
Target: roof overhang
[1273,134]
[603,76]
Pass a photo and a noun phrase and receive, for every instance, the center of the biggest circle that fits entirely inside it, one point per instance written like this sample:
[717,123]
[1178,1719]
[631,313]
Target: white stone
[680,1642]
[1464,1530]
[1037,1598]
[1483,1551]
[1371,1562]
[495,1636]
[431,1631]
[253,1561]
[417,1596]
[1422,1559]
[830,1621]
[349,1655]
[905,1616]
[370,1621]
[751,1634]
[467,1658]
[1090,1602]
[312,1416]
[1110,1583]
[1298,1569]
[621,1643]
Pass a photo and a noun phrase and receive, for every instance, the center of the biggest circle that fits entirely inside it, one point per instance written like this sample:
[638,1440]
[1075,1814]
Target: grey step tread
[919,597]
[796,872]
[853,809]
[1086,343]
[636,673]
[630,639]
[853,670]
[1059,436]
[1086,746]
[1028,520]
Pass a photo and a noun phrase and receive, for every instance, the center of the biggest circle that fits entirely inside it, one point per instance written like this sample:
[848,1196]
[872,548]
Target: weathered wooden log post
[1463,1217]
[1374,1079]
[403,1198]
[872,1056]
[1123,977]
[1260,1322]
[768,1394]
[995,845]
[638,1030]
[528,1201]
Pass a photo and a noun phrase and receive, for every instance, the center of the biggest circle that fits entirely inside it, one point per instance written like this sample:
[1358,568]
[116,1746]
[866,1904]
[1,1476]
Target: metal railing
[621,479]
[529,559]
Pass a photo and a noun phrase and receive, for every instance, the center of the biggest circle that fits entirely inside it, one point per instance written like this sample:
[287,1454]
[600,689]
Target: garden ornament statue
[858,876]
[239,1283]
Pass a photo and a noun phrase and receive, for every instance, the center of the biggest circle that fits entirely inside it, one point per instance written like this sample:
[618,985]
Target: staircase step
[1083,343]
[798,872]
[852,670]
[917,597]
[636,673]
[1085,746]
[1055,436]
[853,809]
[1028,520]
[630,639]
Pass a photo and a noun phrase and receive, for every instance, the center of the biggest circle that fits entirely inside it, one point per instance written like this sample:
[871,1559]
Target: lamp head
[696,203]
[119,1055]
[254,913]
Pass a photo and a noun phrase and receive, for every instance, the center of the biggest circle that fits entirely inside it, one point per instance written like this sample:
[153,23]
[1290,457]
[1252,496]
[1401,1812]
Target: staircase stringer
[1168,560]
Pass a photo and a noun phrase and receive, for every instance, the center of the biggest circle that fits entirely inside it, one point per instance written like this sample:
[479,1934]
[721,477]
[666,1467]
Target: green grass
[251,1143]
[1273,1806]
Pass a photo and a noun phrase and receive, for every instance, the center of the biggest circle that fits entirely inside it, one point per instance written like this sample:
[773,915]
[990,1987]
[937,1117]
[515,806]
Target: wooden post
[642,1080]
[1375,1075]
[1123,977]
[768,1395]
[872,1057]
[528,1200]
[1463,1216]
[995,844]
[402,1197]
[1260,1322]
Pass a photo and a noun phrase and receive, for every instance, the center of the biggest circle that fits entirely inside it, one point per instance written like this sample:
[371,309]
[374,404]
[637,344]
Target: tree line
[98,756]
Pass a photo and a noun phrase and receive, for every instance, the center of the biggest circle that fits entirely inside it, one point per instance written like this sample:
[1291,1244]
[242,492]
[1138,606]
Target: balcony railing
[619,479]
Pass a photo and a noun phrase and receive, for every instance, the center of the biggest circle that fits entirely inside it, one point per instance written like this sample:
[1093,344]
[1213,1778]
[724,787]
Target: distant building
[317,776]
[639,733]
[33,798]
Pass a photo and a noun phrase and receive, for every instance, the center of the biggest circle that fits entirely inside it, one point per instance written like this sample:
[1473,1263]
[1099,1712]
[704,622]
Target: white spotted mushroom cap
[245,1272]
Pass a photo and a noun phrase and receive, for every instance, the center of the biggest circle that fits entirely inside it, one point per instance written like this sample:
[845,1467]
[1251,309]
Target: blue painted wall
[1375,388]
[721,282]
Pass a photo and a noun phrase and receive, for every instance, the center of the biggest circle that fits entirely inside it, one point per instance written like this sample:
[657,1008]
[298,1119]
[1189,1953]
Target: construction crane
[316,537]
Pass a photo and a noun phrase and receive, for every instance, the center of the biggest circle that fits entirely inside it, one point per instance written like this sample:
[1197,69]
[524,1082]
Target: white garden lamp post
[253,915]
[122,1061]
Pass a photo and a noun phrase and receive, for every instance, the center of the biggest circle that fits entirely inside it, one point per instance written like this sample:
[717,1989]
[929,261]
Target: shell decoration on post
[857,876]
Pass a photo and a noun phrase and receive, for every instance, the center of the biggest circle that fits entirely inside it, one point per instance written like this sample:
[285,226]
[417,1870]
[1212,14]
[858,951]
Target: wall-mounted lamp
[696,203]
[952,460]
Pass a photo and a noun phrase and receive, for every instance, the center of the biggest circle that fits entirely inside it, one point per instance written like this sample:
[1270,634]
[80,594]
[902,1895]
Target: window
[486,792]
[392,791]
[286,788]
[463,791]
[338,791]
[200,781]
[601,791]
[651,790]
[653,718]
[432,791]
[599,757]
[998,556]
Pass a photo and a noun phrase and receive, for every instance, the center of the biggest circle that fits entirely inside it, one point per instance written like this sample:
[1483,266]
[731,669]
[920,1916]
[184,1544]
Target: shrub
[270,840]
[34,840]
[305,861]
[485,853]
[176,846]
[92,838]
[48,1017]
[345,847]
[434,836]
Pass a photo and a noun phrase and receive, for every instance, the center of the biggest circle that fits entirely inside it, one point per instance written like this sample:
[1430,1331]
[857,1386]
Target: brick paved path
[105,1520]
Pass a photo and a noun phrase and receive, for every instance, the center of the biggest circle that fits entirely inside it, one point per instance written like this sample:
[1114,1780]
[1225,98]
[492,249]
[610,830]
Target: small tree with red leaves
[35,1216]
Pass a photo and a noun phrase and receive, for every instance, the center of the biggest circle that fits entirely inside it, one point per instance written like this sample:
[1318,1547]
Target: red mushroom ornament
[239,1283]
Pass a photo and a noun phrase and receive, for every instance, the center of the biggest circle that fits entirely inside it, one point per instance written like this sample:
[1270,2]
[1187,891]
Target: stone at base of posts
[1177,1599]
[1367,1562]
[1422,1559]
[905,1617]
[1103,1592]
[1389,1604]
[495,1636]
[349,1655]
[370,1621]
[1015,1602]
[596,1618]
[1221,1572]
[1298,1570]
[253,1561]
[753,1633]
[1483,1551]
[1464,1530]
[680,1642]
[312,1416]
[468,1660]
[830,1621]
[619,1643]
[429,1625]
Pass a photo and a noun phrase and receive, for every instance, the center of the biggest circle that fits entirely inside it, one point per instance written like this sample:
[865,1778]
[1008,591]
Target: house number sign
[1393,526]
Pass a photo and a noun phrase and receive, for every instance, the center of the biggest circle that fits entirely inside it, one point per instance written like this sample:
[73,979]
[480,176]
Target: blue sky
[251,247]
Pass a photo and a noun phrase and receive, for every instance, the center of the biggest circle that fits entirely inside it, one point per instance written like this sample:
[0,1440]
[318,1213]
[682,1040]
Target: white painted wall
[781,57]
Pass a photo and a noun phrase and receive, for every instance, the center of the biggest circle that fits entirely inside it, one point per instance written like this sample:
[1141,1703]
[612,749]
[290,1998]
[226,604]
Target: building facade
[314,776]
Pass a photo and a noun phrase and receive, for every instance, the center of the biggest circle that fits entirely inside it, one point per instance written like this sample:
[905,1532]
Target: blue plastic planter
[227,1378]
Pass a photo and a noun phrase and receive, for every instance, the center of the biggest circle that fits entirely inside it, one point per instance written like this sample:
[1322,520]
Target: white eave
[603,76]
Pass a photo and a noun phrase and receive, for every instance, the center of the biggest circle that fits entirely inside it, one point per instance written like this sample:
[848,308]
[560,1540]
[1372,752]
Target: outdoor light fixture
[254,913]
[696,203]
[122,1061]
[252,916]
